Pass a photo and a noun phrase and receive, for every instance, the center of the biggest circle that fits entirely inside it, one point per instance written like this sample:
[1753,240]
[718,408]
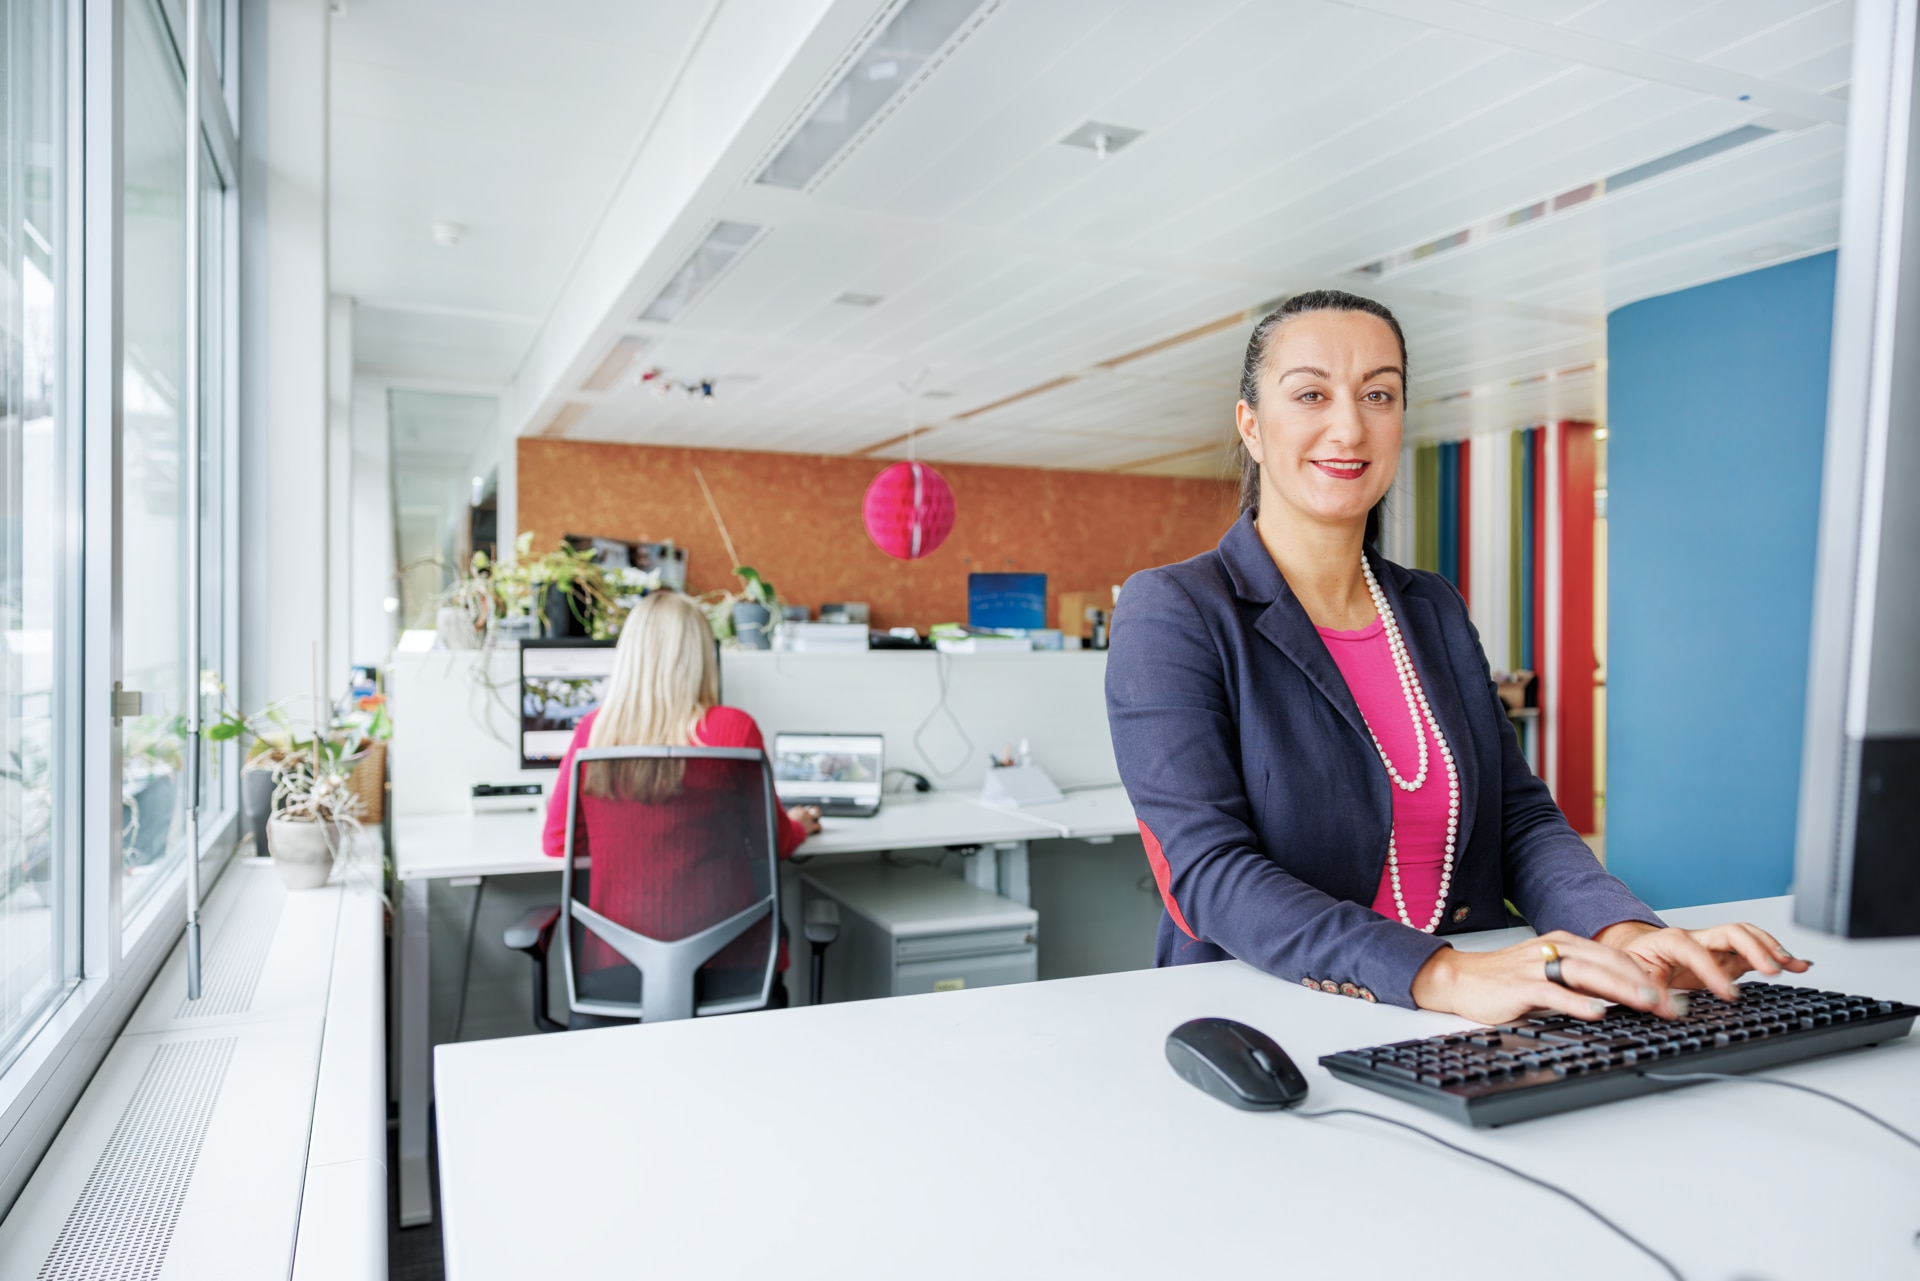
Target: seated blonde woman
[657,867]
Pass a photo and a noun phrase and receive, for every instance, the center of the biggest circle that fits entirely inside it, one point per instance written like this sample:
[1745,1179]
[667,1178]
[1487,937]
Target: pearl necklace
[1418,709]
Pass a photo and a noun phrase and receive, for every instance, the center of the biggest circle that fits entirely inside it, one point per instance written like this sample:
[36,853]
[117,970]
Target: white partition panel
[942,714]
[456,722]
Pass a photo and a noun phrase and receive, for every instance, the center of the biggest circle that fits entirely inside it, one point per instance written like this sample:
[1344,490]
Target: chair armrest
[534,930]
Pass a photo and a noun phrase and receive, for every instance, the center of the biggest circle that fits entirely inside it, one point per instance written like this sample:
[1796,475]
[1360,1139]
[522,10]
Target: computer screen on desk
[1857,865]
[834,771]
[560,682]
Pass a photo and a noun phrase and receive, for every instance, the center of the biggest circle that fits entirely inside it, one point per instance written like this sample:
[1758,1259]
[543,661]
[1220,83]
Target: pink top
[1419,818]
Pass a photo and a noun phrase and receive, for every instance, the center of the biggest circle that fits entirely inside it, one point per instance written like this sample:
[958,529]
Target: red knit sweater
[649,873]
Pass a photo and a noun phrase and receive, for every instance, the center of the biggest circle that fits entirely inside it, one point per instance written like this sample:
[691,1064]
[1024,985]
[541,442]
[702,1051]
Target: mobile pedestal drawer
[911,929]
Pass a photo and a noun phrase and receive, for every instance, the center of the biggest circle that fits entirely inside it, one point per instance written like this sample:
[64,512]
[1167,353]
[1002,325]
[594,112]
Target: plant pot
[303,852]
[557,605]
[750,625]
[256,803]
[454,627]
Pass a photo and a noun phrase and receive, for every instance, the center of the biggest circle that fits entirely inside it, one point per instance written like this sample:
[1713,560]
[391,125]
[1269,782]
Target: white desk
[1090,814]
[454,846]
[1036,1130]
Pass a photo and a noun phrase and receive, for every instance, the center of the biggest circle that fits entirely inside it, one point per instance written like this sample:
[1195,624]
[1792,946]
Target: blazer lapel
[1420,628]
[1284,622]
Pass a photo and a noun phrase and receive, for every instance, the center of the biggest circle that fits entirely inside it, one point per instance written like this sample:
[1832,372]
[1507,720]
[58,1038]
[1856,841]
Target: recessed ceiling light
[910,46]
[726,242]
[448,234]
[859,300]
[937,395]
[1101,139]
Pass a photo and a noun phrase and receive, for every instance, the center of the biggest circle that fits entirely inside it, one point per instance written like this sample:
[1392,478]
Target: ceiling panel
[1287,142]
[514,121]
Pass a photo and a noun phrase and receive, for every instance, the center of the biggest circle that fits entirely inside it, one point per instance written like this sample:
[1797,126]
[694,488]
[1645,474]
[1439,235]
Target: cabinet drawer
[940,947]
[966,971]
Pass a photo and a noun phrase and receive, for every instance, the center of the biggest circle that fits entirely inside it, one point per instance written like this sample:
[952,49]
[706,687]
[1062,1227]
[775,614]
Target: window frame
[111,961]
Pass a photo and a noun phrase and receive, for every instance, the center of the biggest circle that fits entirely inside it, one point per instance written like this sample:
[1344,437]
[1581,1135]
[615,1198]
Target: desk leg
[1011,879]
[416,1054]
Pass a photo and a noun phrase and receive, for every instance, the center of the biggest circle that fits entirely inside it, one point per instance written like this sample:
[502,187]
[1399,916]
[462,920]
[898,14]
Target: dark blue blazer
[1262,801]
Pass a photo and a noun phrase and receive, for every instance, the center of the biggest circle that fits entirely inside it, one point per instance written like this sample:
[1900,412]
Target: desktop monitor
[560,682]
[1857,852]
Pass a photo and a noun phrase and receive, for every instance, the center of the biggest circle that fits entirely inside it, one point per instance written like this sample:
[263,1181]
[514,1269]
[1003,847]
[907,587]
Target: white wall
[339,649]
[371,629]
[283,380]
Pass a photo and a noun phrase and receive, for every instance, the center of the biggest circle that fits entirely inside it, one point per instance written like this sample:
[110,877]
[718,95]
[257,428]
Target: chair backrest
[670,907]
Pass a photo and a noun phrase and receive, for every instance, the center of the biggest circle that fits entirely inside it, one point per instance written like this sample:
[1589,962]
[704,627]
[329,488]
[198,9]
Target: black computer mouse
[1236,1064]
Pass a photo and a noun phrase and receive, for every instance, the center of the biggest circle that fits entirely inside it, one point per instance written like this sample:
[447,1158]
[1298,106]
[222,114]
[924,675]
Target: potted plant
[315,819]
[464,610]
[746,617]
[273,740]
[565,590]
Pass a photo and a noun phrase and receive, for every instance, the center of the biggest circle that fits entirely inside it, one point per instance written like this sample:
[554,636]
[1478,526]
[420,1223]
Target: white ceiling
[514,120]
[1287,142]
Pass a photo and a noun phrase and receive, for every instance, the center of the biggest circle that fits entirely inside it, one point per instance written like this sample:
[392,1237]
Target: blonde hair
[665,678]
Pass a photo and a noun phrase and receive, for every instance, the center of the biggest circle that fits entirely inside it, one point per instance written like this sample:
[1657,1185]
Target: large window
[153,452]
[96,458]
[155,517]
[38,832]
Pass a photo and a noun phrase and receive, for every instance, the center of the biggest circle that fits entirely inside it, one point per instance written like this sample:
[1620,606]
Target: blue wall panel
[1716,404]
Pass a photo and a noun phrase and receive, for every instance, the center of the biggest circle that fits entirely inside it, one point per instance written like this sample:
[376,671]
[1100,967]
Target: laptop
[841,773]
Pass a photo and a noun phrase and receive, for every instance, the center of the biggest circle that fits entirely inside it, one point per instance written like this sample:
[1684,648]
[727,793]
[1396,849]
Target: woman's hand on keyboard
[1711,958]
[1498,987]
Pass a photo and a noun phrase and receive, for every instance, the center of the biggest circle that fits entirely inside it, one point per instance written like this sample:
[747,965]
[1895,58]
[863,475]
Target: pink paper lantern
[908,511]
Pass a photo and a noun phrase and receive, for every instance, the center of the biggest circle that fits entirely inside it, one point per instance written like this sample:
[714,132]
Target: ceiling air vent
[869,84]
[1568,199]
[725,243]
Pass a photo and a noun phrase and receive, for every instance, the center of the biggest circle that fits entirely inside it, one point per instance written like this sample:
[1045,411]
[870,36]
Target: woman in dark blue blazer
[1284,794]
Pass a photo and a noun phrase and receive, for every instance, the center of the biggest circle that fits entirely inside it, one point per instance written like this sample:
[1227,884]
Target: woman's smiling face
[1326,432]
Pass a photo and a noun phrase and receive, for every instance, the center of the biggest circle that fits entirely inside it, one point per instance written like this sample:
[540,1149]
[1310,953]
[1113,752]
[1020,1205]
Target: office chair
[822,927]
[669,908]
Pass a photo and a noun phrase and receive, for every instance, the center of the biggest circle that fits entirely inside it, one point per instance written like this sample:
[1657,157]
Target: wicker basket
[369,782]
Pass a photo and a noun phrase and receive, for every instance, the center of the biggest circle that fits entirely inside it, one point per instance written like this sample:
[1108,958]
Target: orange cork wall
[796,518]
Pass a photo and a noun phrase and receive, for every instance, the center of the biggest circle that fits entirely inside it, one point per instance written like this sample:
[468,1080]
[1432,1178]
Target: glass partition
[37,833]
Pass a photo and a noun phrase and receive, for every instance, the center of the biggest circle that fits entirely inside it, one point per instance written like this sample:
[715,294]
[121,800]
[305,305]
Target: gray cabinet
[905,930]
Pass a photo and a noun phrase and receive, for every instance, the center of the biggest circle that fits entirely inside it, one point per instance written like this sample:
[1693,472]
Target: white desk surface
[912,820]
[1036,1130]
[443,845]
[1094,811]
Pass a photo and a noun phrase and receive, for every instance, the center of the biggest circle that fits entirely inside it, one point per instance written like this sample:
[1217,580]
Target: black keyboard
[1550,1063]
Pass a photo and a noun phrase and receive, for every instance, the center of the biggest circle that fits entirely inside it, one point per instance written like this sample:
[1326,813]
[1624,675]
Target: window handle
[126,702]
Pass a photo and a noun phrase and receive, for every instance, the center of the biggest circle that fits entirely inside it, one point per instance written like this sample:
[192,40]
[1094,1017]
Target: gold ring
[1548,952]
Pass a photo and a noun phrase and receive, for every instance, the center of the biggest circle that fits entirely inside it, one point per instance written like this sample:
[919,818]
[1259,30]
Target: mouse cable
[1888,1126]
[1536,1180]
